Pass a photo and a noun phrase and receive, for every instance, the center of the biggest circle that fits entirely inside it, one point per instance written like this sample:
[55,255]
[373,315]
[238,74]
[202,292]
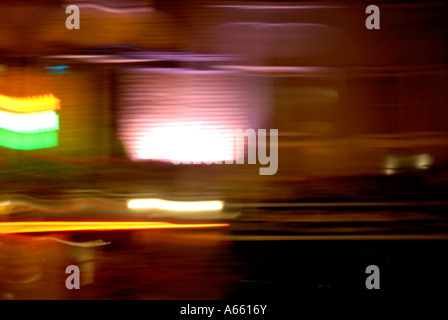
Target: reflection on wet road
[264,254]
[124,265]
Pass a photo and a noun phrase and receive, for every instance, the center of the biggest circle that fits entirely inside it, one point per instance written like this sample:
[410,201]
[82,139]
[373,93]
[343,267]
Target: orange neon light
[58,226]
[41,103]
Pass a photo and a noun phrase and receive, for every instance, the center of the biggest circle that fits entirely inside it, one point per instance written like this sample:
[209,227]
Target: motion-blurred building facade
[345,99]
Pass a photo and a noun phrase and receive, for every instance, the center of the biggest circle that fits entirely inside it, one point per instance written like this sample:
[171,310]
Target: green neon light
[28,141]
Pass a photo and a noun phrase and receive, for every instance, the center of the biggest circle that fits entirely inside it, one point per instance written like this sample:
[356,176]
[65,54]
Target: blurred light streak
[83,244]
[5,203]
[180,56]
[65,206]
[60,226]
[423,161]
[29,122]
[309,71]
[115,10]
[103,58]
[267,7]
[394,164]
[175,205]
[61,69]
[47,102]
[28,141]
[187,143]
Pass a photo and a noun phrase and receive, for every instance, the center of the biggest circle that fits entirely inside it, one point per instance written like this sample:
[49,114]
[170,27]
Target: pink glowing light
[184,115]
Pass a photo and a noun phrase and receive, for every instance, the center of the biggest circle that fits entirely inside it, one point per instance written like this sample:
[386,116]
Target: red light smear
[58,226]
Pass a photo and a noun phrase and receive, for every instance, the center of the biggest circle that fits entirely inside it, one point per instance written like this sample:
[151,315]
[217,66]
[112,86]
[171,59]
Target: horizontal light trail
[115,10]
[28,141]
[175,205]
[60,226]
[41,103]
[29,122]
[271,7]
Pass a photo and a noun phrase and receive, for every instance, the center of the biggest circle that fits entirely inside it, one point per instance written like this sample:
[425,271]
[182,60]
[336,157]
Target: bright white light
[183,115]
[175,205]
[29,122]
[186,142]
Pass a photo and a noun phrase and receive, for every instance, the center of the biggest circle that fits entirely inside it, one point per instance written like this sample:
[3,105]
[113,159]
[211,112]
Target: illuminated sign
[29,123]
